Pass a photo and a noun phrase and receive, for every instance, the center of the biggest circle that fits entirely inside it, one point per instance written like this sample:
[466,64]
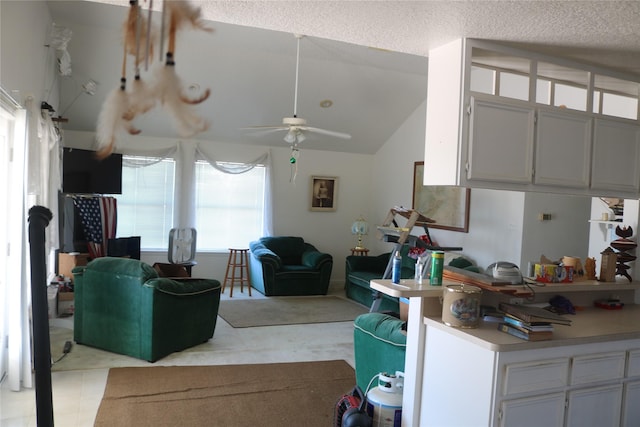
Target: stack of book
[529,323]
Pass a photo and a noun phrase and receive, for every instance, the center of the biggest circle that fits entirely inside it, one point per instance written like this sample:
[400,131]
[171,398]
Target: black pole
[39,218]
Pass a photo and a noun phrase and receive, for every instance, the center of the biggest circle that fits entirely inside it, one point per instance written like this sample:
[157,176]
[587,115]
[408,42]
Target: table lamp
[359,227]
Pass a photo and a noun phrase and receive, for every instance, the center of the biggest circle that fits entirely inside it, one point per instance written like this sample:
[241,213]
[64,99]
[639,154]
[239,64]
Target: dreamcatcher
[165,88]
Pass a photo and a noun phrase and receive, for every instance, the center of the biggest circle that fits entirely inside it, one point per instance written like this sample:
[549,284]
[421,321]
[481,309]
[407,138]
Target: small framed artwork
[324,190]
[448,206]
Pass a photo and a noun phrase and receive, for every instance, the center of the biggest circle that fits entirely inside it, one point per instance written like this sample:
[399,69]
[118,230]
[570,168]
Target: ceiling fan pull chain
[293,160]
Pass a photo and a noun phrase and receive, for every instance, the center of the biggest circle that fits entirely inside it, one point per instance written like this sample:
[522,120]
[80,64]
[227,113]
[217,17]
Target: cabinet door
[500,142]
[616,156]
[547,410]
[563,149]
[596,406]
[630,407]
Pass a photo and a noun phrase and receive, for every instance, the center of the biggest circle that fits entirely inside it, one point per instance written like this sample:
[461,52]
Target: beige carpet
[276,394]
[289,311]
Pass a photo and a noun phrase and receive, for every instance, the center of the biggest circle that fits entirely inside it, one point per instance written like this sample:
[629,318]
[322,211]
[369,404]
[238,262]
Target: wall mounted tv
[84,173]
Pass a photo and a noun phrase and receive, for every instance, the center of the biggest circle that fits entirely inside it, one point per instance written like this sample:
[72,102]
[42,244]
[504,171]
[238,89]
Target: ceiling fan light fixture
[290,137]
[301,137]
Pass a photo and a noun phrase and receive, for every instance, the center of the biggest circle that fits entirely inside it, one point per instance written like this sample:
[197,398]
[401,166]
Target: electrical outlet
[516,301]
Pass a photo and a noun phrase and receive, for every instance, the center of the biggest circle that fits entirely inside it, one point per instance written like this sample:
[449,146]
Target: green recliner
[122,306]
[286,265]
[379,345]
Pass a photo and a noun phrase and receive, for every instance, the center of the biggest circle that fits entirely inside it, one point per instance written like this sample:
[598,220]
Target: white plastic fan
[182,245]
[296,126]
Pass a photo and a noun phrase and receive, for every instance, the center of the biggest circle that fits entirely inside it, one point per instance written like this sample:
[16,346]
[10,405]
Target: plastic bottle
[396,268]
[437,262]
[419,271]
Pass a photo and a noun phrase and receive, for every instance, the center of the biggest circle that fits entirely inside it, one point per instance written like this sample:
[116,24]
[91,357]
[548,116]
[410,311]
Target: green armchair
[122,306]
[287,265]
[380,345]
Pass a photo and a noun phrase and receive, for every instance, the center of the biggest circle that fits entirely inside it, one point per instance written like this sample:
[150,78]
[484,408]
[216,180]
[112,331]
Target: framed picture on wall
[448,206]
[324,190]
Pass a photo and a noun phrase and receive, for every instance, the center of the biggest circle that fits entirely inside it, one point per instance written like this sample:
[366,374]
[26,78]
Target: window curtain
[185,155]
[15,282]
[242,167]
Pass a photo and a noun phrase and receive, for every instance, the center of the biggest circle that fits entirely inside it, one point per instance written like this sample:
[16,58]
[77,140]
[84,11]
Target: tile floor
[77,392]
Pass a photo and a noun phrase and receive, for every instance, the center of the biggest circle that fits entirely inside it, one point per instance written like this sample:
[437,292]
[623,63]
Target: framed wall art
[324,190]
[448,206]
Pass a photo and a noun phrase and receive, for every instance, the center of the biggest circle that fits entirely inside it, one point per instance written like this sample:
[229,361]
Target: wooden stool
[239,270]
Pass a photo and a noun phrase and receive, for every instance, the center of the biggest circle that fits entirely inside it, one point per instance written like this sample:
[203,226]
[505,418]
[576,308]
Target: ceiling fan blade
[335,134]
[276,127]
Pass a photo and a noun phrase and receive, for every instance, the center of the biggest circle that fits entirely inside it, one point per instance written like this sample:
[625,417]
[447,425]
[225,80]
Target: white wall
[26,66]
[566,234]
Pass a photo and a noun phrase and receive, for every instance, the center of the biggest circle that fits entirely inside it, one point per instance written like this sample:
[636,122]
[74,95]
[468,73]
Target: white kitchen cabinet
[594,406]
[537,385]
[630,406]
[546,410]
[500,128]
[616,156]
[484,140]
[563,148]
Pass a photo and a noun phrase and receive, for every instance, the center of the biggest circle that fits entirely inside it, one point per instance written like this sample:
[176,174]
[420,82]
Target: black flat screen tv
[84,173]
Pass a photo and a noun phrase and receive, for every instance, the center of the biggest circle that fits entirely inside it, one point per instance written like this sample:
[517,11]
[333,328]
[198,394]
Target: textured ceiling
[372,89]
[601,32]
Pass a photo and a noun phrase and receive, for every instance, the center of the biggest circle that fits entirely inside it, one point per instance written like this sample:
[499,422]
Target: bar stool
[239,270]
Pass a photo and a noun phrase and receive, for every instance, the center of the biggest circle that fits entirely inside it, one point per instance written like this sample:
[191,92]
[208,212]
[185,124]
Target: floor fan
[182,245]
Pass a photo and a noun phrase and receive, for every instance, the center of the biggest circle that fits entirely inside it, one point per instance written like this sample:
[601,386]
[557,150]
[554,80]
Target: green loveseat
[122,306]
[360,270]
[286,265]
[379,346]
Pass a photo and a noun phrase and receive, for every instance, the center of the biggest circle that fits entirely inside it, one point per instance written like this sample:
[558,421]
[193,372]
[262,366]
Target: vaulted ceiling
[367,58]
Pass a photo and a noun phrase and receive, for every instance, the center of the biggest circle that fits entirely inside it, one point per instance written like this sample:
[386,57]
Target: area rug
[289,311]
[275,394]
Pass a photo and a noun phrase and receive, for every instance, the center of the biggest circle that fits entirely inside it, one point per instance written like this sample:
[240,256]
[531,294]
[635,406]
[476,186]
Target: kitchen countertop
[592,325]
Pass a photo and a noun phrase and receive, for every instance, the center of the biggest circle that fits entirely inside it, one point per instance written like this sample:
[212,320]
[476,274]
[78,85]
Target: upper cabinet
[503,118]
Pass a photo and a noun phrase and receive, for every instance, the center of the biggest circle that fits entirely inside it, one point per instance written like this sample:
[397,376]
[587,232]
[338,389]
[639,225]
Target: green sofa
[286,265]
[379,346]
[122,306]
[360,270]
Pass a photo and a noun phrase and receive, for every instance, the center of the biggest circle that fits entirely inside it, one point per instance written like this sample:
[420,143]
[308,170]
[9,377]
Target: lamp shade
[360,226]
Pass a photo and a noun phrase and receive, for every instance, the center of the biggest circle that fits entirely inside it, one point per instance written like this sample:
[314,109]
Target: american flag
[98,215]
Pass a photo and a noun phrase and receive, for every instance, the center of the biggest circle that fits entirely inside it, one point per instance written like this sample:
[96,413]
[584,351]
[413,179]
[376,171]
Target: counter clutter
[598,355]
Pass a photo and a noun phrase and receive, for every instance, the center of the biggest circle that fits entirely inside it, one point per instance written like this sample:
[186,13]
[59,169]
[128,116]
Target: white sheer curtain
[242,167]
[14,282]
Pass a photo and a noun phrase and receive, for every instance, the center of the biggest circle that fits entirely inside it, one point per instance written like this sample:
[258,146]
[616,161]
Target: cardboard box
[551,273]
[67,262]
[66,305]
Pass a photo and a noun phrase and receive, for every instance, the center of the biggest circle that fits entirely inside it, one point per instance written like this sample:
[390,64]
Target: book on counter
[531,314]
[530,326]
[525,334]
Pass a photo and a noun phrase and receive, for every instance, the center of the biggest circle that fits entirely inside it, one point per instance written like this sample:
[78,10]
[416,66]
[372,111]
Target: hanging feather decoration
[168,85]
[137,30]
[141,96]
[183,13]
[111,121]
[122,106]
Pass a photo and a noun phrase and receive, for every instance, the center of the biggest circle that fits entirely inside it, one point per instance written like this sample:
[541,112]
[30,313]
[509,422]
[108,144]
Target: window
[145,207]
[229,207]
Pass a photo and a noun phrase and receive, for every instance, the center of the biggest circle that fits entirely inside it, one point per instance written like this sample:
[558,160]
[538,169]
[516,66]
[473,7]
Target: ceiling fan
[297,126]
